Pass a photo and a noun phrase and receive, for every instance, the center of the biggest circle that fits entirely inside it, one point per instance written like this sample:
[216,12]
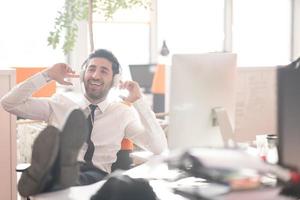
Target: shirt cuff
[46,76]
[141,104]
[38,80]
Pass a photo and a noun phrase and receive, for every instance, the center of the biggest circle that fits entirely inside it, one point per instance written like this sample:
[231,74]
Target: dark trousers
[89,174]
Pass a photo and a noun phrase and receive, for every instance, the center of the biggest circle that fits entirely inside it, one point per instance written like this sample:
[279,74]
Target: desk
[72,193]
[163,189]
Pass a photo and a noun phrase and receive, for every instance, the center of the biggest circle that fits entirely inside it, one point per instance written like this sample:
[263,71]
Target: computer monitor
[143,74]
[199,84]
[288,99]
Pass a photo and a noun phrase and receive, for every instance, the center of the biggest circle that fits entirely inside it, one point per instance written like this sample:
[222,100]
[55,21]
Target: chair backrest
[124,161]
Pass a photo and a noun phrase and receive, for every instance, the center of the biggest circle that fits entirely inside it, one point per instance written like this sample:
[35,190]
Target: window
[127,35]
[262,32]
[25,28]
[191,26]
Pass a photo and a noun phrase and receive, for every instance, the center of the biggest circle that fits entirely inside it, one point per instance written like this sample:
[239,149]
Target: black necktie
[90,150]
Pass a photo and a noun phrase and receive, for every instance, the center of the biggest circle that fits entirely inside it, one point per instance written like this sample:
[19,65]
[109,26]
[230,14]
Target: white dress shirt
[113,120]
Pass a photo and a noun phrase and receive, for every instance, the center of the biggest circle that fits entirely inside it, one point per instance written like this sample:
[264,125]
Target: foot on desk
[72,137]
[44,153]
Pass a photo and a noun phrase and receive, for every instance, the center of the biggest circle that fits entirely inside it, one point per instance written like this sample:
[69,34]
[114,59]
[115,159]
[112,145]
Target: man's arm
[145,132]
[19,100]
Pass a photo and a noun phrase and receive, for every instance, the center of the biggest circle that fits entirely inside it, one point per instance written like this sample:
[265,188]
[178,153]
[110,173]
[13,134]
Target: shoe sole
[44,153]
[74,134]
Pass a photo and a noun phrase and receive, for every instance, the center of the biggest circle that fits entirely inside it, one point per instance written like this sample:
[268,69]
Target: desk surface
[163,189]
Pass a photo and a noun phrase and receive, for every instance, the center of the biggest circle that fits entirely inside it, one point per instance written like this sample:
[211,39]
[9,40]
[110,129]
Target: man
[109,122]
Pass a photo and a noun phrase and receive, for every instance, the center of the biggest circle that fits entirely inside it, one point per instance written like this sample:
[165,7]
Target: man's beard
[96,96]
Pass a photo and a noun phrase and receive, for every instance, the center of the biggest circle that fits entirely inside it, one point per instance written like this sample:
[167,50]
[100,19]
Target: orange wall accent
[158,84]
[22,73]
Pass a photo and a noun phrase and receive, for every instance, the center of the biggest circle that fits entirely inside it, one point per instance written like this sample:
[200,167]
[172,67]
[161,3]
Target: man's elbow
[6,105]
[161,149]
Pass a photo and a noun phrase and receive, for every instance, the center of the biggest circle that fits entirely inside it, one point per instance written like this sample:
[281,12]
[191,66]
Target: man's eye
[90,69]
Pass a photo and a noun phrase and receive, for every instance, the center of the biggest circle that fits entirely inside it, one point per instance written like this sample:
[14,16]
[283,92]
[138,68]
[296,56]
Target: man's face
[98,79]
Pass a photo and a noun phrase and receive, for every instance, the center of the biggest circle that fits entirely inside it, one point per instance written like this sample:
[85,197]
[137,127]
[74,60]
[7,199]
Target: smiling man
[109,123]
[97,79]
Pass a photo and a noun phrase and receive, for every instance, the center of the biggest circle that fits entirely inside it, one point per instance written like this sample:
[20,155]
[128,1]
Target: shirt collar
[103,105]
[84,103]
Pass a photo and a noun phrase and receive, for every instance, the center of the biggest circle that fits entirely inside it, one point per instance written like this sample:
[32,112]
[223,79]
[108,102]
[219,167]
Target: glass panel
[262,32]
[128,41]
[191,26]
[136,14]
[25,28]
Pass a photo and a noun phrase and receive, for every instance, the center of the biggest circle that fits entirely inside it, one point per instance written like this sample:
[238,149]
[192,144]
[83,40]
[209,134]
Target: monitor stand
[220,118]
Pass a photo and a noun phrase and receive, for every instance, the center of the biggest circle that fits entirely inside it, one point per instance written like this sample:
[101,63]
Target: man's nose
[96,74]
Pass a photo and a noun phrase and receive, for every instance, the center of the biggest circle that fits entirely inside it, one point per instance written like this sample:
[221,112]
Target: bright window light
[128,41]
[127,35]
[262,32]
[191,26]
[25,26]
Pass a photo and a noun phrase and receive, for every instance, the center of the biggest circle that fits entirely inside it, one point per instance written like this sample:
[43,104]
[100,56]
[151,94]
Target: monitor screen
[288,99]
[199,83]
[143,74]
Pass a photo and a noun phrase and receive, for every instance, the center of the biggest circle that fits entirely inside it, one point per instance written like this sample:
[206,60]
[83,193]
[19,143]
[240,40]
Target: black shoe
[44,153]
[72,137]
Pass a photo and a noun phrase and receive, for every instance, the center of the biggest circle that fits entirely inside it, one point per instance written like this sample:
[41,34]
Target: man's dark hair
[103,53]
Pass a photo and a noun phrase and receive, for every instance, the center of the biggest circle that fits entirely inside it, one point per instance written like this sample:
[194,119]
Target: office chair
[124,161]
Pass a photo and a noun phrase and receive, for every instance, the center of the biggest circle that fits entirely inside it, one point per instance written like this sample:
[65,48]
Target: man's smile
[94,83]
